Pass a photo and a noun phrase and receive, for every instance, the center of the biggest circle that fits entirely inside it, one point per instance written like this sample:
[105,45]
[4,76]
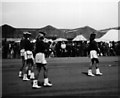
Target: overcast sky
[99,14]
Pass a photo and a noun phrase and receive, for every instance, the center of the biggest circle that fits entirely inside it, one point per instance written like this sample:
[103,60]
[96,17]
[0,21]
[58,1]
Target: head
[41,35]
[92,36]
[26,34]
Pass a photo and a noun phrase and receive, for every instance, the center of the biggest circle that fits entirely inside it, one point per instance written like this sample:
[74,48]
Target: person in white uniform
[40,61]
[93,53]
[27,57]
[22,51]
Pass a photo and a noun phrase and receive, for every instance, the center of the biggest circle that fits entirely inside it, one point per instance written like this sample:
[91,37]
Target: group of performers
[33,61]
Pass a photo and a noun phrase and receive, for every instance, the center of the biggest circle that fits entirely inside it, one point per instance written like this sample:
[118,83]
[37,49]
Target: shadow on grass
[85,73]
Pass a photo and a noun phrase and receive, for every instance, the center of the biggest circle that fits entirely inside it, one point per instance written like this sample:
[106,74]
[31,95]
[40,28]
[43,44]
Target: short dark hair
[92,36]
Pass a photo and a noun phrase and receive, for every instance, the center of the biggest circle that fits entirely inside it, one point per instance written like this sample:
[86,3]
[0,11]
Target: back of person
[40,60]
[27,45]
[40,46]
[93,53]
[93,46]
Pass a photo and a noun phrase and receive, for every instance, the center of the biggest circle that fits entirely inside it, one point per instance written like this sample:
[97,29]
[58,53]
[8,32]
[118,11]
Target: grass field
[68,76]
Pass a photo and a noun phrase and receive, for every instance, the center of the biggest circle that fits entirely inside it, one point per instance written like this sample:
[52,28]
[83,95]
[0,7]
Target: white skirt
[28,55]
[40,58]
[93,54]
[22,51]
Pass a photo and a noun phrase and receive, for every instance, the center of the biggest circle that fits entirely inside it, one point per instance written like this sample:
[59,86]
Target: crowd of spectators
[11,49]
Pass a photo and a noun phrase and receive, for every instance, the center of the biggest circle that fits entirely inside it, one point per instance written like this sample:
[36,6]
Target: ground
[68,76]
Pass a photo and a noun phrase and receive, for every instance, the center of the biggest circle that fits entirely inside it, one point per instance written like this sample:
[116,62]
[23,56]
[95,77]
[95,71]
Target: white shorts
[28,55]
[93,54]
[40,58]
[22,51]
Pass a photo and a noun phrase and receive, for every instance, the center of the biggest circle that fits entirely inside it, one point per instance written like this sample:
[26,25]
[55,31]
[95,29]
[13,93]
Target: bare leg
[91,65]
[97,68]
[25,71]
[23,64]
[90,68]
[97,65]
[46,80]
[21,69]
[45,71]
[37,71]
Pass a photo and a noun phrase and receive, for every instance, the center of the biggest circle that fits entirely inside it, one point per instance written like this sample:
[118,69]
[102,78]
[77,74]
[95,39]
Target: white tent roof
[103,40]
[46,40]
[79,38]
[14,39]
[111,35]
[60,39]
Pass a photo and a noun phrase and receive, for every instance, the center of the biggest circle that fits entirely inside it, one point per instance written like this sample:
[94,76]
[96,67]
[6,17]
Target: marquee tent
[46,40]
[14,39]
[111,35]
[60,39]
[80,38]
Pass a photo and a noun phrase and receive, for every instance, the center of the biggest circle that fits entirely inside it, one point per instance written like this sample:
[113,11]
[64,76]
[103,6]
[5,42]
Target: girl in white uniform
[40,60]
[28,58]
[93,52]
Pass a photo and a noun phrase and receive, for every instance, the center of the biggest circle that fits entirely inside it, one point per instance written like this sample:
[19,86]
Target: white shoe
[25,78]
[32,76]
[35,84]
[48,84]
[90,73]
[98,72]
[29,72]
[20,74]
